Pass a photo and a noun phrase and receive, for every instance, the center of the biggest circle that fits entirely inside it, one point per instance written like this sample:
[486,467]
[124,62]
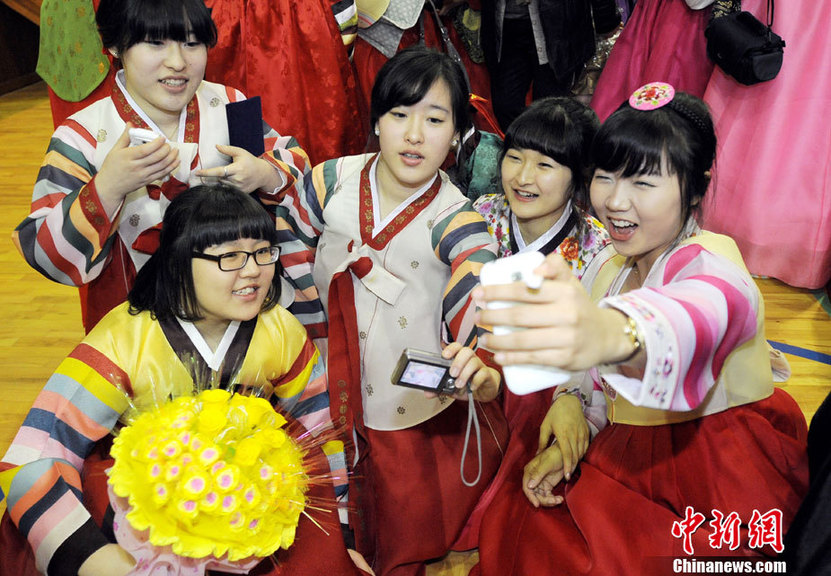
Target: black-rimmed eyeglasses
[237,259]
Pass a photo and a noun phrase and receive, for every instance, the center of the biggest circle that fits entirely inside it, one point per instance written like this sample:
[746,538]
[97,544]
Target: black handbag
[745,48]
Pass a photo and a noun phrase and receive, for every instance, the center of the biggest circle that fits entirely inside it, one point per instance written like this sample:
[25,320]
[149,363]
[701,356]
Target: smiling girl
[545,176]
[205,303]
[674,335]
[98,201]
[397,250]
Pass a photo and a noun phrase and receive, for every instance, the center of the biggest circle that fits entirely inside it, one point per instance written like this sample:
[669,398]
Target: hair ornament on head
[652,96]
[659,94]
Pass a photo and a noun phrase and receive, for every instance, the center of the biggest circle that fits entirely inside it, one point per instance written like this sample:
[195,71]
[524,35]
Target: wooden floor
[41,320]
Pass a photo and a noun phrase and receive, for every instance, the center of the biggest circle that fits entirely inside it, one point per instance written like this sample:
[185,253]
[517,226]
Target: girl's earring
[454,142]
[377,131]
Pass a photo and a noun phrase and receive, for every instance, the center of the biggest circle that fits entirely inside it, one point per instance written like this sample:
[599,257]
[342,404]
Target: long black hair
[197,218]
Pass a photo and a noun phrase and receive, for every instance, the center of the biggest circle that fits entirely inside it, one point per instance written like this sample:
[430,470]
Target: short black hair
[124,23]
[406,78]
[197,218]
[562,129]
[635,142]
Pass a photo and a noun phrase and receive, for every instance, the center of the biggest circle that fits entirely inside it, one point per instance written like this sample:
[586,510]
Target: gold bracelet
[631,330]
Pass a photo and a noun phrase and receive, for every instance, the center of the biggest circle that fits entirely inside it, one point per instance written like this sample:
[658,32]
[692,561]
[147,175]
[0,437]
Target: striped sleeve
[299,225]
[461,240]
[705,308]
[67,235]
[285,154]
[303,392]
[41,476]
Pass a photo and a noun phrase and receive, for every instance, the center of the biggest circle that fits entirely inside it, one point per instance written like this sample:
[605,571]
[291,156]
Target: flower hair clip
[652,96]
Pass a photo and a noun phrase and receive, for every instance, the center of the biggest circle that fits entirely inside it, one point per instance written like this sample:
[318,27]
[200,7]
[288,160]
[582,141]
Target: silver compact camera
[425,371]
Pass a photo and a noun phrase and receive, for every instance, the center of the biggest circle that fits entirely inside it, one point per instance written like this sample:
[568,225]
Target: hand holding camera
[553,329]
[454,372]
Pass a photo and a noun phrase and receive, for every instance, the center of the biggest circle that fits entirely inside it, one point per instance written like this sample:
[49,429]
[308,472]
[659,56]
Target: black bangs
[406,78]
[404,84]
[407,92]
[165,20]
[546,136]
[123,24]
[632,142]
[229,220]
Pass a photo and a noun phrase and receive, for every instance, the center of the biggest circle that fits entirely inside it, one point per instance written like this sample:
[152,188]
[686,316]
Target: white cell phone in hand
[523,378]
[139,136]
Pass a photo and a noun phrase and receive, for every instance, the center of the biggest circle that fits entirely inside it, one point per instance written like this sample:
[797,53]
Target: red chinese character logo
[725,530]
[766,529]
[686,527]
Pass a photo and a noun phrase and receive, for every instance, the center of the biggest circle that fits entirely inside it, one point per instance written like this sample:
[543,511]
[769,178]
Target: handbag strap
[449,48]
[724,7]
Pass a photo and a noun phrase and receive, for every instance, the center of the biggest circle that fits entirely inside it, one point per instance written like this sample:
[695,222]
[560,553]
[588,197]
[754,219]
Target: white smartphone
[523,378]
[139,136]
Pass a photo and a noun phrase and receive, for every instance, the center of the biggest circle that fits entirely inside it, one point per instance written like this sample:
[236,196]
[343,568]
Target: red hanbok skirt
[636,482]
[411,502]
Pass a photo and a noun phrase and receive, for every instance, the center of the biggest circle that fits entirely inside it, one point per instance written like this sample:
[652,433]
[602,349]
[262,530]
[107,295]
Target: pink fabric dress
[772,190]
[663,40]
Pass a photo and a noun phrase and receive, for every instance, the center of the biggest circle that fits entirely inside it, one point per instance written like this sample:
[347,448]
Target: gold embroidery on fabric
[401,410]
[101,136]
[402,321]
[414,264]
[362,335]
[215,102]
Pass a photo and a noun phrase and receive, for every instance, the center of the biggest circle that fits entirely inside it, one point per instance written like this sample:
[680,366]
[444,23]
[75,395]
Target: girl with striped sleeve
[397,250]
[204,304]
[702,454]
[98,200]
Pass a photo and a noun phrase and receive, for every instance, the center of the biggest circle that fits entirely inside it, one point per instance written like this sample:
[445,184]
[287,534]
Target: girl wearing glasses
[98,200]
[205,303]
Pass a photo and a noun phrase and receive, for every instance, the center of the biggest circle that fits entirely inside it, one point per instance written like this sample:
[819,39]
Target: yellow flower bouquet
[213,477]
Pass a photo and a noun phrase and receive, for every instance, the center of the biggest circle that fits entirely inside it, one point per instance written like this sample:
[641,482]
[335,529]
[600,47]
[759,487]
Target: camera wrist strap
[472,419]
